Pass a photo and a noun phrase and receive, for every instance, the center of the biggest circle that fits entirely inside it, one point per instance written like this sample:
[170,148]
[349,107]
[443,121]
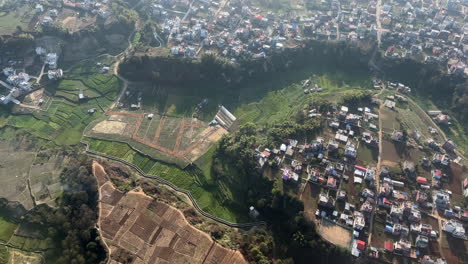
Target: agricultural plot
[413,121]
[208,195]
[367,155]
[16,157]
[45,178]
[454,250]
[7,229]
[71,21]
[170,139]
[274,102]
[62,121]
[137,227]
[4,255]
[10,20]
[390,156]
[389,122]
[92,86]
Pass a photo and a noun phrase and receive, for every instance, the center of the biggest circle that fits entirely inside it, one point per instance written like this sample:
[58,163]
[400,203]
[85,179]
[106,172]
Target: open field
[45,177]
[309,198]
[210,197]
[456,131]
[16,157]
[7,229]
[12,19]
[171,139]
[390,156]
[137,227]
[335,234]
[367,155]
[20,257]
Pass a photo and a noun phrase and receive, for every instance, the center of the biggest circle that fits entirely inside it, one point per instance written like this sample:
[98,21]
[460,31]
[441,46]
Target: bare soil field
[138,229]
[309,198]
[390,155]
[70,20]
[335,234]
[457,174]
[21,257]
[110,127]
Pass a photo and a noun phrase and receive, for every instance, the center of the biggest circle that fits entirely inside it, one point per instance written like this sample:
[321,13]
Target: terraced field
[138,228]
[212,198]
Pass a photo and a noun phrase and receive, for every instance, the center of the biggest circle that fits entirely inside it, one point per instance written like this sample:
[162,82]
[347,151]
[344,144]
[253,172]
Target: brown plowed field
[139,229]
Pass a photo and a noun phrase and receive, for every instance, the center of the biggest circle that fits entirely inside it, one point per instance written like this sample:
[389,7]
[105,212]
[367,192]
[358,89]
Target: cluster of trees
[70,227]
[212,74]
[431,81]
[124,13]
[216,74]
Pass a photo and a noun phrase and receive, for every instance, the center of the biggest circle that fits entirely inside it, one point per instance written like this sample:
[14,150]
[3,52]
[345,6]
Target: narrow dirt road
[379,165]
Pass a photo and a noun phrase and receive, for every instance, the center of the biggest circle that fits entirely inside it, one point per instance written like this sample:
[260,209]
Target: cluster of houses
[429,32]
[426,31]
[50,12]
[402,199]
[17,84]
[20,83]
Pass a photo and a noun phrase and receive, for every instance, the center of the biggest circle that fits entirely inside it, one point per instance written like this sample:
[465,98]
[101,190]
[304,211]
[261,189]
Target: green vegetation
[7,229]
[4,255]
[64,234]
[209,196]
[367,154]
[124,13]
[12,20]
[285,100]
[63,118]
[456,131]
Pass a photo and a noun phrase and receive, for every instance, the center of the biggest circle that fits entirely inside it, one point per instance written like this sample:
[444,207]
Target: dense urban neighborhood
[233,131]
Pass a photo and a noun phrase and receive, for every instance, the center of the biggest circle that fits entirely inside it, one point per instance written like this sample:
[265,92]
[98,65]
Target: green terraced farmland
[7,229]
[212,198]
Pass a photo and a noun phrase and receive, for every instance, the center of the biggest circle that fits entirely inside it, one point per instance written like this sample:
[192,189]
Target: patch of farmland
[17,256]
[206,193]
[10,20]
[149,128]
[453,249]
[390,155]
[389,122]
[16,157]
[367,155]
[147,231]
[7,229]
[45,177]
[169,132]
[4,255]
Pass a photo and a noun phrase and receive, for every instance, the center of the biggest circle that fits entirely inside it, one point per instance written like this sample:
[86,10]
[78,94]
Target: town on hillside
[379,191]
